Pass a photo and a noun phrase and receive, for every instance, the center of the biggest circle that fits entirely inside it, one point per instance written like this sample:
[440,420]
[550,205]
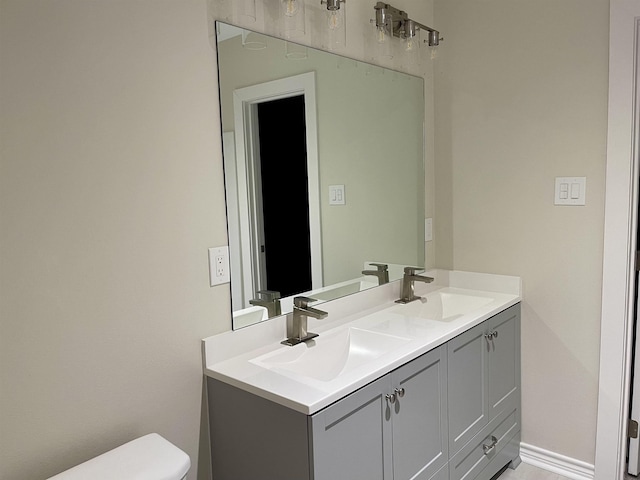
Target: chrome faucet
[270,301]
[410,276]
[382,272]
[297,321]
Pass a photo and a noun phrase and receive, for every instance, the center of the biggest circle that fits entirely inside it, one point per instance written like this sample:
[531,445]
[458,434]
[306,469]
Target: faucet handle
[269,294]
[382,267]
[303,302]
[411,270]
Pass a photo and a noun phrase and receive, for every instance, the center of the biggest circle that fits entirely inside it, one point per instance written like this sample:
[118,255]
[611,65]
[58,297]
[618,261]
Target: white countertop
[235,357]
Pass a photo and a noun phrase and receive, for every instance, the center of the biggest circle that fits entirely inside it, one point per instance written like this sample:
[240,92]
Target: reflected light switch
[336,195]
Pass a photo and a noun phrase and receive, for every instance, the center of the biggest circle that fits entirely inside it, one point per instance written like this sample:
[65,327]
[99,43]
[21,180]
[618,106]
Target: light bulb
[410,43]
[334,20]
[291,7]
[382,34]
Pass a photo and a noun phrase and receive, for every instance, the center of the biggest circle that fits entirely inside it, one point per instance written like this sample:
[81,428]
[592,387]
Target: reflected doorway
[280,190]
[285,250]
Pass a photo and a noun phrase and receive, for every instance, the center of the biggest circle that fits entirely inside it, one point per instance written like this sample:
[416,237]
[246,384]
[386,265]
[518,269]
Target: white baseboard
[556,463]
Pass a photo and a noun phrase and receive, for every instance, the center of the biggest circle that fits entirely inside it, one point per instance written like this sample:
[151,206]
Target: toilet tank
[150,457]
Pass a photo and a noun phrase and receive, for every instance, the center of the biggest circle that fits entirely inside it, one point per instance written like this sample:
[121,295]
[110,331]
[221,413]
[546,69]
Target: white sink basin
[328,356]
[249,316]
[443,306]
[341,290]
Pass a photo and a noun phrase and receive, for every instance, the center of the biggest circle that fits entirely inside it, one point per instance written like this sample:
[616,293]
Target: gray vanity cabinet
[450,414]
[393,429]
[484,394]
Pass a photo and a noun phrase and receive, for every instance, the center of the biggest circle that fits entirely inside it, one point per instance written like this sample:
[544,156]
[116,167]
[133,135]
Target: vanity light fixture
[292,14]
[393,22]
[335,24]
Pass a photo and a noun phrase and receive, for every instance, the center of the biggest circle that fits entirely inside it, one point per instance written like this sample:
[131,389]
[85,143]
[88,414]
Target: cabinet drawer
[477,454]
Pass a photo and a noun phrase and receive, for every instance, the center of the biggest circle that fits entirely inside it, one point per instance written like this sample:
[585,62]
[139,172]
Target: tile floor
[529,472]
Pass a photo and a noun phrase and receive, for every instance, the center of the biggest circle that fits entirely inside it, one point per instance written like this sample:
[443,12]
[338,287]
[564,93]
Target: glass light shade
[411,47]
[383,43]
[240,11]
[336,28]
[223,10]
[382,35]
[293,18]
[245,10]
[294,51]
[253,40]
[411,43]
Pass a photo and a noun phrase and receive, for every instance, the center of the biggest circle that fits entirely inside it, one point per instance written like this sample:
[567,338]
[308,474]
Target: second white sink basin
[443,306]
[328,356]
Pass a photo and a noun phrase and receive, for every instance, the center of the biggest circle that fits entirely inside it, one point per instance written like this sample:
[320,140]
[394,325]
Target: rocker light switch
[336,195]
[571,191]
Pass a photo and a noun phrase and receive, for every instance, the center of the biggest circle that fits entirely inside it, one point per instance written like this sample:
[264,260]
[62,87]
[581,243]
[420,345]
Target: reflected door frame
[245,101]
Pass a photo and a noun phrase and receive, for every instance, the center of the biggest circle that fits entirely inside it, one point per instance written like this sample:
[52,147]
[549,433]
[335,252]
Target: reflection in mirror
[324,174]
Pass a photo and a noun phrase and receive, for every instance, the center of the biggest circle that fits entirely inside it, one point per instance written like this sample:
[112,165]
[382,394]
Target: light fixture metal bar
[400,25]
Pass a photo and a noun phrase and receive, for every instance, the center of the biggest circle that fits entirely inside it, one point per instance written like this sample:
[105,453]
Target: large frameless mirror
[324,172]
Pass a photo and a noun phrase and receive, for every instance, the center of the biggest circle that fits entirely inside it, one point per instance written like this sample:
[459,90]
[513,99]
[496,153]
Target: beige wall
[522,98]
[111,190]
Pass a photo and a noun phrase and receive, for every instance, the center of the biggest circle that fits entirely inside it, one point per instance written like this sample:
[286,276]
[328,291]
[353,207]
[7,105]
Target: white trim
[243,98]
[619,242]
[233,215]
[556,463]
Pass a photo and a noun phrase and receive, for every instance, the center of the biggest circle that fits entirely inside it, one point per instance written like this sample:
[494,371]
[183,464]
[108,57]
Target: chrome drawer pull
[399,392]
[487,448]
[391,398]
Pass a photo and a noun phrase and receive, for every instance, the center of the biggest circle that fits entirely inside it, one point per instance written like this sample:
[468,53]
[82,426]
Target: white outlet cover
[428,229]
[219,265]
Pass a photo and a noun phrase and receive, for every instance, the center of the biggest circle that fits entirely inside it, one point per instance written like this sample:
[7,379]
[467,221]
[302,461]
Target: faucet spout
[270,300]
[314,313]
[407,293]
[297,323]
[381,272]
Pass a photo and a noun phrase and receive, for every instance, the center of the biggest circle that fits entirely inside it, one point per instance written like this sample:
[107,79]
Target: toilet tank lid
[150,457]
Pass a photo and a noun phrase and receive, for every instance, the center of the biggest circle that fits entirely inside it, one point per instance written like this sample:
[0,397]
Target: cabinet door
[504,361]
[467,386]
[419,415]
[351,439]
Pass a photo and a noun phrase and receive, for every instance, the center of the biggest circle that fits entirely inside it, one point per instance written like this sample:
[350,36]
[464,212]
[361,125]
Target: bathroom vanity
[426,390]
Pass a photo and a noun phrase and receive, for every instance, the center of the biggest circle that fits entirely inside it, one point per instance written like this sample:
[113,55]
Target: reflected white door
[246,143]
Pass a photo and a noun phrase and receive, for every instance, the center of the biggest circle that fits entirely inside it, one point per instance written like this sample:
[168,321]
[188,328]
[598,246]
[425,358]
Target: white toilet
[150,457]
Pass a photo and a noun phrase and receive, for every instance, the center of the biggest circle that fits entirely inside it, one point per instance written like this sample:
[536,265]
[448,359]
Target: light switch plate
[219,265]
[428,229]
[336,195]
[571,191]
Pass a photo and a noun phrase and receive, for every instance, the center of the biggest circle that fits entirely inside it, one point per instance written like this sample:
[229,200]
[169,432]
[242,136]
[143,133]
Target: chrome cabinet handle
[491,335]
[488,448]
[391,398]
[399,392]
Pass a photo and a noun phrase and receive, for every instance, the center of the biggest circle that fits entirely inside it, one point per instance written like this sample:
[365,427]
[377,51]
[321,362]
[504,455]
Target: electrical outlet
[219,265]
[428,229]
